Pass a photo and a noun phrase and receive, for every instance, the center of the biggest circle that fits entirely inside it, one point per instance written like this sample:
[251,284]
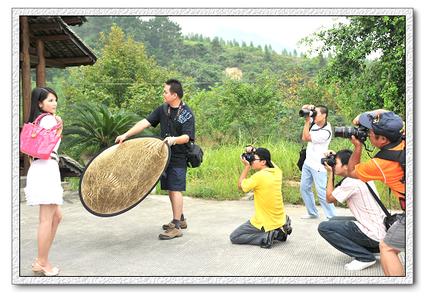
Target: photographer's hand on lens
[328,168]
[329,152]
[356,120]
[356,142]
[245,162]
[249,149]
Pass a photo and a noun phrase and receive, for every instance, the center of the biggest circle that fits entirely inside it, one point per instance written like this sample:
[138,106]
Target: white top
[48,122]
[320,139]
[369,215]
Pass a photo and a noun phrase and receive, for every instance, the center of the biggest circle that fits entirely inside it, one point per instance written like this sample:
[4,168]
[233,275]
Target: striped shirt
[369,216]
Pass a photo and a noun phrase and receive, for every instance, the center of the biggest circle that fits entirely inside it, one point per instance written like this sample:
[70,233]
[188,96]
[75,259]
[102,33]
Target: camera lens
[345,132]
[307,112]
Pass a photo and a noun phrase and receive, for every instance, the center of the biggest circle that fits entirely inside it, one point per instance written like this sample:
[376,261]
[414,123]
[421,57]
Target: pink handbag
[37,141]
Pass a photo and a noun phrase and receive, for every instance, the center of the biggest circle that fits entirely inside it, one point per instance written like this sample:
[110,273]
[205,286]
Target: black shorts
[174,179]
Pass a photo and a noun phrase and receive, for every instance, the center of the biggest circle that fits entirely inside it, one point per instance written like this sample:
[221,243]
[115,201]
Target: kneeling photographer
[270,221]
[357,236]
[384,129]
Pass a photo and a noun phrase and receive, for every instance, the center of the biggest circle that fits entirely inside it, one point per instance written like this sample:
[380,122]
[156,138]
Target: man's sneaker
[356,265]
[171,233]
[287,228]
[308,216]
[183,225]
[280,235]
[268,240]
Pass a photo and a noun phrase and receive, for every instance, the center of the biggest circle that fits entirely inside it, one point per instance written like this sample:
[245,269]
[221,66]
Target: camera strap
[321,128]
[394,155]
[378,200]
[167,110]
[340,182]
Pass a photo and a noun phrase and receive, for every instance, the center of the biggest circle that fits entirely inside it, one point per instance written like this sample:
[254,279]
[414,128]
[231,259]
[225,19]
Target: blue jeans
[308,175]
[349,239]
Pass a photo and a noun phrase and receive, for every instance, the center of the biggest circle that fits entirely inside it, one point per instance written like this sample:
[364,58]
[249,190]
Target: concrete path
[128,244]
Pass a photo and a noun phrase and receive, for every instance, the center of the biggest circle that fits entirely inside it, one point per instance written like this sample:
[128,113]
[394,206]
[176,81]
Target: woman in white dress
[43,182]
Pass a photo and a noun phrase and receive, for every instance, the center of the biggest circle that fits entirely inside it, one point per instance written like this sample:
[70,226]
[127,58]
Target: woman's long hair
[37,96]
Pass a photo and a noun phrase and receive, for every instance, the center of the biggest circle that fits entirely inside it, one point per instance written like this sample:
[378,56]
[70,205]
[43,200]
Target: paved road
[128,244]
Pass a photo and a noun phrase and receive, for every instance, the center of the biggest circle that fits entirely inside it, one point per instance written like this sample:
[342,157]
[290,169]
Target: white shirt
[320,139]
[369,215]
[48,122]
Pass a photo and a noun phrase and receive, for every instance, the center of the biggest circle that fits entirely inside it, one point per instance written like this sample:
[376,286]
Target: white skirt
[44,183]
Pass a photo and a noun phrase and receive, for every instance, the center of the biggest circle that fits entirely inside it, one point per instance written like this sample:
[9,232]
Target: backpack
[400,157]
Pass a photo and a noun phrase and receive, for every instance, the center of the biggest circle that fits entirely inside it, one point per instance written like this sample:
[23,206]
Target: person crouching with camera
[385,130]
[270,221]
[357,236]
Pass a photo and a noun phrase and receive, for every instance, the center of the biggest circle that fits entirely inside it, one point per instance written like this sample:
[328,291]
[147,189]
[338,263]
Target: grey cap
[387,124]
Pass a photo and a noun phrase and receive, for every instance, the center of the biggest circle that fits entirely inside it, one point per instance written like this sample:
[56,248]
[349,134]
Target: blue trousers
[348,238]
[308,175]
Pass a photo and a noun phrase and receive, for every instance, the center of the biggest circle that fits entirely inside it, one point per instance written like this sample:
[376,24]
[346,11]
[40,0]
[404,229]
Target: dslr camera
[249,156]
[330,159]
[304,112]
[361,133]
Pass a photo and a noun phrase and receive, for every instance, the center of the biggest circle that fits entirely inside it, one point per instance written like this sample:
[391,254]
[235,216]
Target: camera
[307,112]
[330,160]
[248,156]
[361,133]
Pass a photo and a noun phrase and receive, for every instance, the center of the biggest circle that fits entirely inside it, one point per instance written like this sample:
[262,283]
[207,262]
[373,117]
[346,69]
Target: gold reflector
[121,176]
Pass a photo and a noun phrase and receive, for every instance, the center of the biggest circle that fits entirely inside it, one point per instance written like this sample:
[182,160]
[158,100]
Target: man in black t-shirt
[177,124]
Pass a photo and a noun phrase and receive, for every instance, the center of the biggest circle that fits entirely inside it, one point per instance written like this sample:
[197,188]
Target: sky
[281,32]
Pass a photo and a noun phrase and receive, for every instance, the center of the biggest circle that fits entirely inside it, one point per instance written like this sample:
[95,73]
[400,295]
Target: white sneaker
[356,265]
[308,216]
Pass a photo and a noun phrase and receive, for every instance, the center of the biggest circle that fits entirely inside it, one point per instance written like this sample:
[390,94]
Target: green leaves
[94,127]
[367,60]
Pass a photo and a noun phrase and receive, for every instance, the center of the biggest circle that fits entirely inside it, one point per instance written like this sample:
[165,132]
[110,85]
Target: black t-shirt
[173,125]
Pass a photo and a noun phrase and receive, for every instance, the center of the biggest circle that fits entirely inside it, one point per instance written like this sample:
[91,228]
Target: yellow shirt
[268,201]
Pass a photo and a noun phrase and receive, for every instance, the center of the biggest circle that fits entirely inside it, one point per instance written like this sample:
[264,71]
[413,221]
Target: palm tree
[94,127]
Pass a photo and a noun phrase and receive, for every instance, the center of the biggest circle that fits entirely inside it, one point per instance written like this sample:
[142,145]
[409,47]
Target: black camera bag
[301,159]
[195,155]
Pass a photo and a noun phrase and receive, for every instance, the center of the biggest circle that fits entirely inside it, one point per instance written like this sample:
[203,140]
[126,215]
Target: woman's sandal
[37,268]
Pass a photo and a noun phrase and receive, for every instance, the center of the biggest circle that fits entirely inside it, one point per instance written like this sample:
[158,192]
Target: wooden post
[41,66]
[26,75]
[25,67]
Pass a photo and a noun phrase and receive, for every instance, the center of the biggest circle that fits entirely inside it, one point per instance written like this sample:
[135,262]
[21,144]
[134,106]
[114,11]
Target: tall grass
[218,175]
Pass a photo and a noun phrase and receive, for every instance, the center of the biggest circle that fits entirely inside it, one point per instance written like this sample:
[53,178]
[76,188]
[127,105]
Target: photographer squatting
[357,236]
[270,221]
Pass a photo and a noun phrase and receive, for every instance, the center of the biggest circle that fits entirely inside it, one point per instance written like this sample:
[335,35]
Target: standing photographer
[357,236]
[317,132]
[385,132]
[270,221]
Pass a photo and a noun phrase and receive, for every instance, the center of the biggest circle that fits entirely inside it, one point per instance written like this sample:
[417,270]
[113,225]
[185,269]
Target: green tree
[367,48]
[123,77]
[163,39]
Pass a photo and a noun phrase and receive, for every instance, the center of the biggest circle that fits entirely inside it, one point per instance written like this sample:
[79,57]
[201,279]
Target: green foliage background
[360,66]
